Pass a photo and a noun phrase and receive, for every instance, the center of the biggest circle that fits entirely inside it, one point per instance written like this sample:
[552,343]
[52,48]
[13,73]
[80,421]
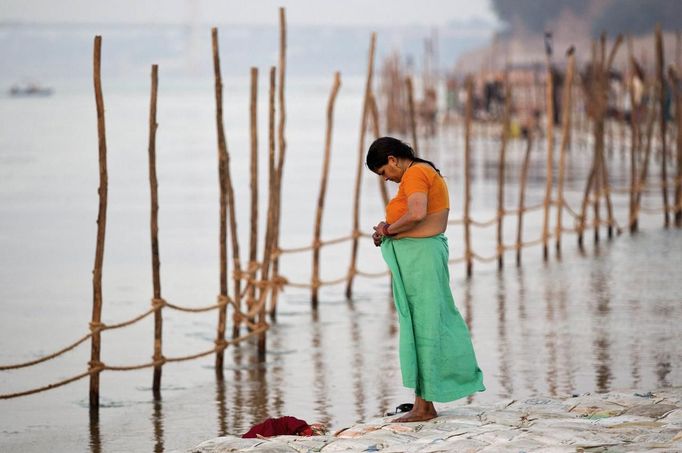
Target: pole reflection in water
[358,363]
[237,389]
[322,402]
[506,385]
[527,349]
[550,339]
[565,341]
[602,342]
[95,439]
[258,390]
[387,357]
[275,335]
[221,405]
[635,343]
[157,422]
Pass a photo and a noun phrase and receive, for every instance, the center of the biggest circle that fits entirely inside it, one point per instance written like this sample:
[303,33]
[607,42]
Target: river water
[604,318]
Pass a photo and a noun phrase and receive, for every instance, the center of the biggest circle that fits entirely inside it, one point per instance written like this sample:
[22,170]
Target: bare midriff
[433,224]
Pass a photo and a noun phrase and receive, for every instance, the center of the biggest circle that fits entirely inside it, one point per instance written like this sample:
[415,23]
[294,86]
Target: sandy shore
[619,421]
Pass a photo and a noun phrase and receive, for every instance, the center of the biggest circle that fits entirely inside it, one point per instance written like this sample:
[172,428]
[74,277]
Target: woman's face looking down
[391,171]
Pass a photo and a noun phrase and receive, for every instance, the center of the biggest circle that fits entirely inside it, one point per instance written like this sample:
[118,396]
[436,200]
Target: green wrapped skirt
[437,358]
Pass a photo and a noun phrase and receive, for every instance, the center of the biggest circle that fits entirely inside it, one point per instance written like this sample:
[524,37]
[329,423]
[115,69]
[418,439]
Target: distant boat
[30,89]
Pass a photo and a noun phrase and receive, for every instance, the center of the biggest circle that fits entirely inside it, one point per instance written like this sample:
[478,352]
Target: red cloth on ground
[280,426]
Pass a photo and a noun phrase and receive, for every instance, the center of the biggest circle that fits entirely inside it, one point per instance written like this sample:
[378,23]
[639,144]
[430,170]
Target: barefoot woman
[437,359]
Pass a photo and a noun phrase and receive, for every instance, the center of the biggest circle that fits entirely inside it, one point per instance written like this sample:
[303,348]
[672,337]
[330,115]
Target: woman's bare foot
[423,410]
[413,416]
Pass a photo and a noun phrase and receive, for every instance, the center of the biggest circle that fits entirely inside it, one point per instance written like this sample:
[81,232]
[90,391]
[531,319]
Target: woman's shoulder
[421,169]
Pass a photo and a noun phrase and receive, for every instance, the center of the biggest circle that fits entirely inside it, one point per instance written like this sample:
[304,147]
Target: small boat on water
[30,89]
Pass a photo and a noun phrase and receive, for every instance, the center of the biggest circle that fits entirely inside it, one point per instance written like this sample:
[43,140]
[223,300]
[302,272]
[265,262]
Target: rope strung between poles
[97,367]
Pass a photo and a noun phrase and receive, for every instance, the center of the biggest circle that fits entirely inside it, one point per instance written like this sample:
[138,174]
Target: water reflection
[95,439]
[157,422]
[221,405]
[550,340]
[528,357]
[358,363]
[602,342]
[317,346]
[635,345]
[503,344]
[386,359]
[565,340]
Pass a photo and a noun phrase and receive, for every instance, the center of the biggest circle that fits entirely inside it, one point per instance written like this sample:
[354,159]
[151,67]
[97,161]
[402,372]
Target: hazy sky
[337,12]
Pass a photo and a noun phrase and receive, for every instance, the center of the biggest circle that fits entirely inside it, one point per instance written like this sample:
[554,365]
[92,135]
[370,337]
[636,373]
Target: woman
[436,355]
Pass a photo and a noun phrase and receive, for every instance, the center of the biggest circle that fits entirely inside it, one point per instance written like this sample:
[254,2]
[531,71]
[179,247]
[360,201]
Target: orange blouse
[419,177]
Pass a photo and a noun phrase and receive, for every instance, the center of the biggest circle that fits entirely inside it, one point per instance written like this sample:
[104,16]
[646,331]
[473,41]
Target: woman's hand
[376,237]
[379,233]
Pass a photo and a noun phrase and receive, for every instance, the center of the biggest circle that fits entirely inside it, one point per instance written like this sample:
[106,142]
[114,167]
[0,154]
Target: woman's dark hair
[377,155]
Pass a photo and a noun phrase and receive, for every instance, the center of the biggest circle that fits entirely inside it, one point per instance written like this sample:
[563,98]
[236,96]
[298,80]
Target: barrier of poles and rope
[262,281]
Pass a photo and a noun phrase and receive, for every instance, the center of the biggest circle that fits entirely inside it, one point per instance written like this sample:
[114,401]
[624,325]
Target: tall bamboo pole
[154,226]
[468,254]
[522,198]
[253,239]
[358,175]
[634,139]
[675,81]
[644,171]
[270,226]
[605,88]
[282,144]
[315,283]
[594,100]
[663,122]
[237,278]
[565,140]
[222,179]
[95,324]
[374,113]
[506,120]
[601,98]
[550,157]
[412,113]
[678,50]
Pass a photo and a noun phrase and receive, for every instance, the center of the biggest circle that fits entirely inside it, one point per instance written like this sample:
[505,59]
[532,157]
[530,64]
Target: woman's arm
[416,212]
[415,222]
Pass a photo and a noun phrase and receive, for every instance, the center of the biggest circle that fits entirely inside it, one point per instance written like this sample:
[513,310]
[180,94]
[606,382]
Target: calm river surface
[594,321]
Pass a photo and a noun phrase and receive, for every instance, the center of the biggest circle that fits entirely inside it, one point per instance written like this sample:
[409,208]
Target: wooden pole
[270,227]
[678,50]
[225,156]
[663,123]
[468,255]
[315,283]
[634,139]
[675,81]
[358,175]
[565,140]
[95,325]
[374,112]
[500,173]
[605,88]
[281,140]
[222,179]
[154,226]
[592,94]
[253,239]
[411,113]
[550,158]
[607,196]
[644,171]
[522,198]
